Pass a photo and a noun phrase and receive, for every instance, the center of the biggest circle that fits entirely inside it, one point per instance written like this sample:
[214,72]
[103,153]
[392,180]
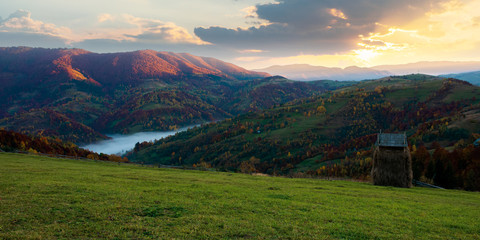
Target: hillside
[71,199]
[11,141]
[87,95]
[305,72]
[332,134]
[472,77]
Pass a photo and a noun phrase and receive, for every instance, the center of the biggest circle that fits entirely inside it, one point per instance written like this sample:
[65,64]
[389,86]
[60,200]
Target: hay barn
[392,162]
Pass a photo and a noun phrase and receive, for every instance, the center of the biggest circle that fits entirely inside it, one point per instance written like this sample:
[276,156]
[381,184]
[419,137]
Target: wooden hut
[392,162]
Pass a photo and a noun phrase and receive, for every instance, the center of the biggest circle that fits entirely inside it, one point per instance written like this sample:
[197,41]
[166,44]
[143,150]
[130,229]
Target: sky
[254,33]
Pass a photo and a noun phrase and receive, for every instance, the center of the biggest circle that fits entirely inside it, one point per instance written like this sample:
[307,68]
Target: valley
[250,122]
[258,119]
[333,134]
[120,144]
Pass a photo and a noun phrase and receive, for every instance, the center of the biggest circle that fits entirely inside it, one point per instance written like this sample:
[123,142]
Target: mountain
[305,72]
[81,96]
[472,77]
[432,68]
[305,135]
[112,68]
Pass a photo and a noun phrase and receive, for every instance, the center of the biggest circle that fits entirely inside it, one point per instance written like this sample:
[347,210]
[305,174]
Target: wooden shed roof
[392,140]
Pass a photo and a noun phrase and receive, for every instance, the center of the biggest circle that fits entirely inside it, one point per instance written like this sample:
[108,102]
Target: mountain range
[257,122]
[431,68]
[305,72]
[81,96]
[112,68]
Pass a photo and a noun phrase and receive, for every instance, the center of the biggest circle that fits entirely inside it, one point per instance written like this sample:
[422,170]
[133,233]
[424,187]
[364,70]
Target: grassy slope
[56,198]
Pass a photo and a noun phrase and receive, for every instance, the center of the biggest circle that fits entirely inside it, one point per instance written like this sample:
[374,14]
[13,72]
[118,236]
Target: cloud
[476,21]
[315,27]
[127,27]
[337,13]
[281,39]
[105,17]
[250,51]
[155,30]
[20,29]
[449,32]
[21,22]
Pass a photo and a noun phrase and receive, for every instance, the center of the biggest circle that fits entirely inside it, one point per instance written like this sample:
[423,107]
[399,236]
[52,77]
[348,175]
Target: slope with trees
[90,94]
[330,134]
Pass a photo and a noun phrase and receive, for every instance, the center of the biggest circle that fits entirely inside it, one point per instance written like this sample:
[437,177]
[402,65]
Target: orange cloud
[337,13]
[251,51]
[105,17]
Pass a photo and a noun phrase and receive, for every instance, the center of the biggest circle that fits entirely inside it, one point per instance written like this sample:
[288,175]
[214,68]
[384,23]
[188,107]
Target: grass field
[46,198]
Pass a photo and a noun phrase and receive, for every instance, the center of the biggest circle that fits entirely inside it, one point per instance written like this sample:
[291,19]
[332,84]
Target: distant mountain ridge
[305,72]
[472,77]
[430,67]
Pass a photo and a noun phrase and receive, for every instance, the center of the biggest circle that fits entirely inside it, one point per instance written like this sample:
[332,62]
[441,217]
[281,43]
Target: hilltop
[74,199]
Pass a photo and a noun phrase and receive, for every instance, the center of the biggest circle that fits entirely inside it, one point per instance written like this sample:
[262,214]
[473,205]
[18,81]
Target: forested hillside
[79,96]
[333,134]
[11,141]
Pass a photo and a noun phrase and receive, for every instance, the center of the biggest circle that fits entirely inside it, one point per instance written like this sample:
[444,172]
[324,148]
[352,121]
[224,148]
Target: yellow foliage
[321,109]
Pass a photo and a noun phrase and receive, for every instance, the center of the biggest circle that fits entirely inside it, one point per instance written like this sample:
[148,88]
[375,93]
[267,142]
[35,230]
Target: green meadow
[48,198]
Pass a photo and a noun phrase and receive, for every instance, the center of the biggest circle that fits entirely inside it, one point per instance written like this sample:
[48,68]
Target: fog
[119,144]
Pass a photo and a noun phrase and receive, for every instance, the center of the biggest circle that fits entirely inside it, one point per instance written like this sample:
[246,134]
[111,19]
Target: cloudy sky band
[255,33]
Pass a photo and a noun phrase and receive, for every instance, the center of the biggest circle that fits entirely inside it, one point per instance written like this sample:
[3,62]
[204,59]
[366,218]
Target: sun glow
[378,44]
[366,55]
